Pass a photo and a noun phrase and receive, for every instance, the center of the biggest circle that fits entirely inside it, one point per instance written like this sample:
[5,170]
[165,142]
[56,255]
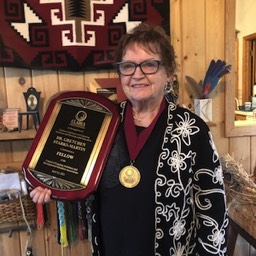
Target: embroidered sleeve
[209,196]
[190,198]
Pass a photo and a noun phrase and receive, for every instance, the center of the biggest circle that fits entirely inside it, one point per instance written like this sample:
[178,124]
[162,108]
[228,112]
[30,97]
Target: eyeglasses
[147,67]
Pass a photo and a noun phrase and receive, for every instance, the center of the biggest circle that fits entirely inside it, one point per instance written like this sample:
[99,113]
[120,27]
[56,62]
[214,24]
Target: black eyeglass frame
[159,62]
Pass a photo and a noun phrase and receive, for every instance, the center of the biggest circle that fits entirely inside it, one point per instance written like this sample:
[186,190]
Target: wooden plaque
[72,144]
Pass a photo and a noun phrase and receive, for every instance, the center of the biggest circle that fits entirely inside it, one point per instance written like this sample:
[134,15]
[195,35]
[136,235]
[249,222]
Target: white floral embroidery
[185,129]
[217,237]
[179,251]
[218,175]
[177,161]
[177,196]
[178,229]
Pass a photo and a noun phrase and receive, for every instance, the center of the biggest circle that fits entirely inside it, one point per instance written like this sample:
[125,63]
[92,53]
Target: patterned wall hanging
[70,34]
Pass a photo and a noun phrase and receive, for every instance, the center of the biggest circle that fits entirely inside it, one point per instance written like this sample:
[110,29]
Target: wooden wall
[197,29]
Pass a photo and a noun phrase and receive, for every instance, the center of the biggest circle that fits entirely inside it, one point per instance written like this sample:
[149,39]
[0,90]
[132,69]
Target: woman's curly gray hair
[151,38]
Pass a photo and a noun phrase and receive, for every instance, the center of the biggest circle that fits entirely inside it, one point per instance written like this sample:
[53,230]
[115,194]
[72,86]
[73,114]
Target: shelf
[14,166]
[17,226]
[211,124]
[23,135]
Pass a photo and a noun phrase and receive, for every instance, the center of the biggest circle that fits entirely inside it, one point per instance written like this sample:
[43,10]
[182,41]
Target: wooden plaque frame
[72,144]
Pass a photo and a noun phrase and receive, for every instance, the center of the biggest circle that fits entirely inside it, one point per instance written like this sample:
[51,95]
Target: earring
[168,87]
[170,95]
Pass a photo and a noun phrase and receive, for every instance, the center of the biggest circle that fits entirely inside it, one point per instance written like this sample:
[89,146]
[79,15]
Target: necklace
[139,119]
[129,176]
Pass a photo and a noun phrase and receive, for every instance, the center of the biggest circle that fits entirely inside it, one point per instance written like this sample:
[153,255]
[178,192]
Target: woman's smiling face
[140,87]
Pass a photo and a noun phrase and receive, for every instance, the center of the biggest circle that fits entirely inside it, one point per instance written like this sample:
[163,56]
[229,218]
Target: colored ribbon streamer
[62,224]
[72,221]
[82,227]
[40,216]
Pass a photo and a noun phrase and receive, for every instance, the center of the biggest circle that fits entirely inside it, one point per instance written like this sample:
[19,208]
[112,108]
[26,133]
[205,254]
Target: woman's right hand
[41,195]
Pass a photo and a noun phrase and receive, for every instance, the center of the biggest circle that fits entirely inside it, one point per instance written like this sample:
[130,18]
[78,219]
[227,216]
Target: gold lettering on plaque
[61,154]
[79,119]
[68,144]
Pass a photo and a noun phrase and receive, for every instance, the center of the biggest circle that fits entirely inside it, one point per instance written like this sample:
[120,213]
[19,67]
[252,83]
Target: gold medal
[129,176]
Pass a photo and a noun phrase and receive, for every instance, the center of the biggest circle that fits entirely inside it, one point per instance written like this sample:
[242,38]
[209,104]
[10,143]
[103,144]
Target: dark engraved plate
[72,144]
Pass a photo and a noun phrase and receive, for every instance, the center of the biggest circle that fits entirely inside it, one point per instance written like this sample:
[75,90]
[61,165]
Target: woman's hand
[41,195]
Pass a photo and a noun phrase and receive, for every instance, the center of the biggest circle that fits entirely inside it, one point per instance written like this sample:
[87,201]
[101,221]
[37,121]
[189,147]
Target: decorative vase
[203,108]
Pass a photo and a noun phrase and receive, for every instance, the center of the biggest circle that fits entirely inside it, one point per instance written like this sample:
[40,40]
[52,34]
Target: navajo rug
[70,35]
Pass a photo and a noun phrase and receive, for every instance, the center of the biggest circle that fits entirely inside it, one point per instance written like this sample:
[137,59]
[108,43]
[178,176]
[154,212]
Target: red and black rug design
[70,35]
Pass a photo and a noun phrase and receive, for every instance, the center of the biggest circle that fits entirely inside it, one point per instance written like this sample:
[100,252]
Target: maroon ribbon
[136,142]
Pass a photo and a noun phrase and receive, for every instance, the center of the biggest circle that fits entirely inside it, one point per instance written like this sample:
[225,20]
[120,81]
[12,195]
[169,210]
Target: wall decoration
[10,119]
[69,34]
[32,99]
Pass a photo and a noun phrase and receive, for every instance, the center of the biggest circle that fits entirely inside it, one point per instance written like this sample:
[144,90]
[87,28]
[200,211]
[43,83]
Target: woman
[161,192]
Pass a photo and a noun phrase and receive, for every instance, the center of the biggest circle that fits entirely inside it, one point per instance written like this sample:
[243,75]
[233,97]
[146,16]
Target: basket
[12,210]
[244,215]
[241,195]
